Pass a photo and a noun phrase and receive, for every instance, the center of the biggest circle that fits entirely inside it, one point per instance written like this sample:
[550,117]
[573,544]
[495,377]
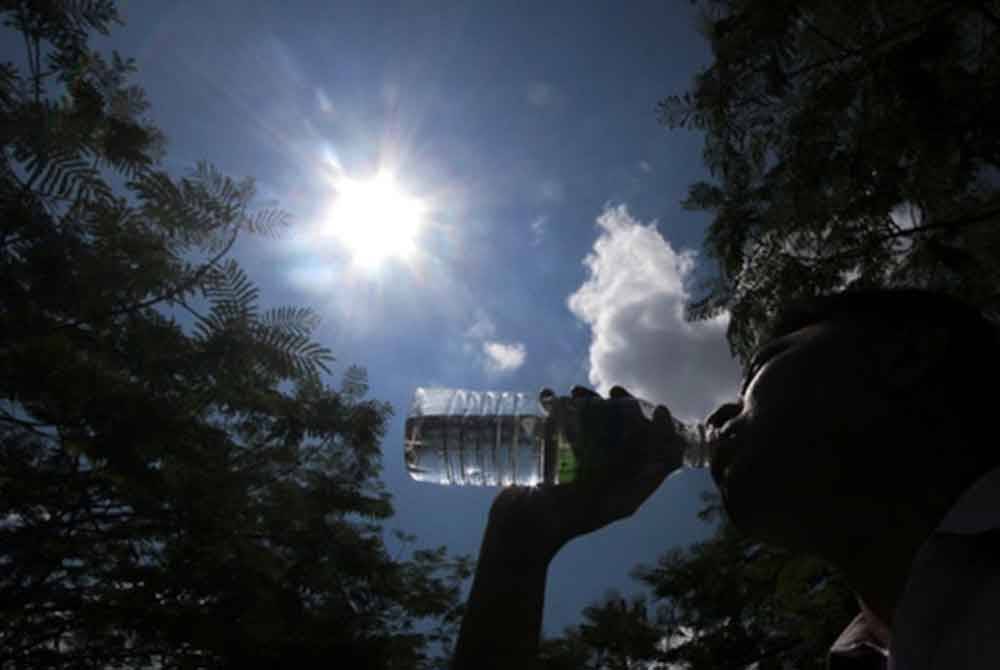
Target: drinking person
[862,434]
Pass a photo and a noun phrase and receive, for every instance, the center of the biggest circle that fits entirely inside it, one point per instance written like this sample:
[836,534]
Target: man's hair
[969,370]
[911,307]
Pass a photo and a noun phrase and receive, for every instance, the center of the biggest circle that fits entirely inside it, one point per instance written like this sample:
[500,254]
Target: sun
[375,219]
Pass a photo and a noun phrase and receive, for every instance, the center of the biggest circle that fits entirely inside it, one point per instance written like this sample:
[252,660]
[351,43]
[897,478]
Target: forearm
[503,617]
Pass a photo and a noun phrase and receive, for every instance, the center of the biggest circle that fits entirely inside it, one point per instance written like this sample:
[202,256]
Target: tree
[734,602]
[178,485]
[727,602]
[847,145]
[616,634]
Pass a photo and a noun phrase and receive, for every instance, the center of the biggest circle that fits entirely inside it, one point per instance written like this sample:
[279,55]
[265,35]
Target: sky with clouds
[552,248]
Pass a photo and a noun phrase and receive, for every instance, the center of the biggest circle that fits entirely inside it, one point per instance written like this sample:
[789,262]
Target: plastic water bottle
[503,438]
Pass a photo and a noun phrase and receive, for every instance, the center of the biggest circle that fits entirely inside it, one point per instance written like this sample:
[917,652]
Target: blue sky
[553,249]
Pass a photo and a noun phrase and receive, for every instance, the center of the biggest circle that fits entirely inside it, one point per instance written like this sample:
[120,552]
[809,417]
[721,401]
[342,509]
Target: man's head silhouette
[863,417]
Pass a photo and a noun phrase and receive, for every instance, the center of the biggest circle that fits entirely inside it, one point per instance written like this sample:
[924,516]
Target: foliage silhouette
[179,488]
[729,601]
[847,146]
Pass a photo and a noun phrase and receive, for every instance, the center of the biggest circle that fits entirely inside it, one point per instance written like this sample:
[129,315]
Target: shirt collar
[977,510]
[863,637]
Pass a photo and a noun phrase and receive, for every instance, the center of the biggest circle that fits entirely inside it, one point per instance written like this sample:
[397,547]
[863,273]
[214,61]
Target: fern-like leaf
[354,386]
[63,174]
[162,201]
[285,332]
[300,320]
[230,290]
[267,222]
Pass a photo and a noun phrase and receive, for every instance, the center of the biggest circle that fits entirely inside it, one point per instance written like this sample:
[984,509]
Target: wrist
[508,587]
[527,525]
[504,543]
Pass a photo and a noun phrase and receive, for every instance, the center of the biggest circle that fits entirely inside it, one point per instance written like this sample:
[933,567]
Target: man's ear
[912,353]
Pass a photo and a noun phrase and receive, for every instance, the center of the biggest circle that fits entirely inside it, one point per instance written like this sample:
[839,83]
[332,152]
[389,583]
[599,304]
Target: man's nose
[719,417]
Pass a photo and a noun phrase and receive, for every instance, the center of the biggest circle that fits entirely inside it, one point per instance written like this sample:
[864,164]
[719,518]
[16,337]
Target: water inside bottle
[476,450]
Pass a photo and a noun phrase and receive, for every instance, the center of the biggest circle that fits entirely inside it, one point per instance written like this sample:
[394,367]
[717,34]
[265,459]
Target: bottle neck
[695,439]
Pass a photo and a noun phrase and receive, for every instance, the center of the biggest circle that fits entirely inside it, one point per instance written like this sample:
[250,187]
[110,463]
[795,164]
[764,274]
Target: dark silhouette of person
[863,434]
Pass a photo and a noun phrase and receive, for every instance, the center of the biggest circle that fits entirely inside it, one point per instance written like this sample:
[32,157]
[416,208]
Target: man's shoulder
[948,614]
[971,626]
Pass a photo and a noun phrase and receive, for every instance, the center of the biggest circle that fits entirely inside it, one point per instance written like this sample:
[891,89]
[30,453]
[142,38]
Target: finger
[661,413]
[724,413]
[582,392]
[663,422]
[619,392]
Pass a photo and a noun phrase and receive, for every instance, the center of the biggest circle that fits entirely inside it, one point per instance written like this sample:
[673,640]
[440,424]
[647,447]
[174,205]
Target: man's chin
[737,513]
[743,504]
[756,515]
[725,453]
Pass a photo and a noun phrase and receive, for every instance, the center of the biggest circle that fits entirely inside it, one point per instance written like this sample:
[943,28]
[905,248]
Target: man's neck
[879,569]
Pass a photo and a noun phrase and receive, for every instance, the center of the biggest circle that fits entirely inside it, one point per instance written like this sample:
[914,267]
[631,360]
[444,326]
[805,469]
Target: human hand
[640,452]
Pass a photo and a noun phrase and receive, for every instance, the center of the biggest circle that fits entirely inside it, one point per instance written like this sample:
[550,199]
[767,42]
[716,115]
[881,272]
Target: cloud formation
[323,101]
[495,355]
[502,357]
[633,301]
[538,229]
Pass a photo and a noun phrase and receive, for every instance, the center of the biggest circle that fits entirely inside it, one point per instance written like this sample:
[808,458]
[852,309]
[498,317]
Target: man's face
[788,473]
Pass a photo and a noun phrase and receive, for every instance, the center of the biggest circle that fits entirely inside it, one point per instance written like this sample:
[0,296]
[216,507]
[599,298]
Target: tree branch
[32,426]
[823,36]
[954,224]
[167,295]
[871,49]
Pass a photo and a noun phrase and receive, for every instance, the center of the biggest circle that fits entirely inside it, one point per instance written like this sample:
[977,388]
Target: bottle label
[591,438]
[568,466]
[577,441]
[562,453]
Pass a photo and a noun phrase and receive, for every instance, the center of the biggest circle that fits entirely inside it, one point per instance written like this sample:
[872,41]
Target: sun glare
[375,219]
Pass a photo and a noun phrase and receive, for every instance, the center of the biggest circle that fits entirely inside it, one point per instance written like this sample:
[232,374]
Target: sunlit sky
[541,238]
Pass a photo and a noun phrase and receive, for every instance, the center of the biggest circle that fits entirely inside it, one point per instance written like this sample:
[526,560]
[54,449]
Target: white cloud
[323,100]
[540,94]
[495,355]
[645,167]
[538,227]
[633,301]
[501,357]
